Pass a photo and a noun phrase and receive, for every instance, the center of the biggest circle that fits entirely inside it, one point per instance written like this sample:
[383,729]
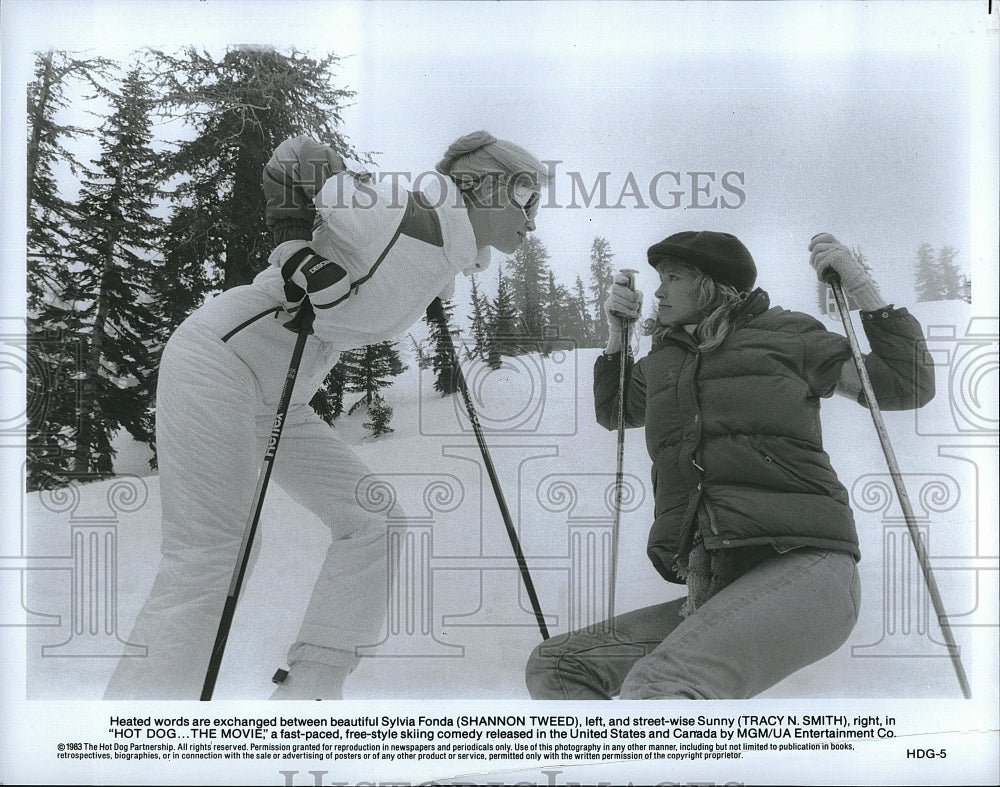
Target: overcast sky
[875,121]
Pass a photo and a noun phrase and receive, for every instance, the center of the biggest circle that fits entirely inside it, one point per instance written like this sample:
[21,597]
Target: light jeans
[212,430]
[788,611]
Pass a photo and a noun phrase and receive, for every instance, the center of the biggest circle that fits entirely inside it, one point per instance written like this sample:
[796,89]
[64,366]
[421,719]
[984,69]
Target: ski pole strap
[303,319]
[435,310]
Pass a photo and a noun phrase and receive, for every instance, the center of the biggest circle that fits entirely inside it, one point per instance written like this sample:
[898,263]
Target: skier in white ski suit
[375,258]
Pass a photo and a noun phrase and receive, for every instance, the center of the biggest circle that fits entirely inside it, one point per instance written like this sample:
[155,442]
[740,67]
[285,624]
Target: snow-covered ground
[91,552]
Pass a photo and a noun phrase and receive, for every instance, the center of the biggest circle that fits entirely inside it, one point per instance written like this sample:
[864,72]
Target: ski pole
[302,325]
[620,463]
[833,279]
[435,312]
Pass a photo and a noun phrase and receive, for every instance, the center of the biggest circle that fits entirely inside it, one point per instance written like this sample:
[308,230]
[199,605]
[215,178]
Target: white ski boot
[311,680]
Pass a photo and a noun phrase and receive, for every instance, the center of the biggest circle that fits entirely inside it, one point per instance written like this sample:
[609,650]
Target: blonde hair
[717,303]
[480,157]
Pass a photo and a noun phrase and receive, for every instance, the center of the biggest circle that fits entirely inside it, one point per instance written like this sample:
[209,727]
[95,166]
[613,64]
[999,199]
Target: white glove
[622,302]
[828,254]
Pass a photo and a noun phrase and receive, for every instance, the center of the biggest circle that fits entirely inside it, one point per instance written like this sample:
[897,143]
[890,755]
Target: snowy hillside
[557,467]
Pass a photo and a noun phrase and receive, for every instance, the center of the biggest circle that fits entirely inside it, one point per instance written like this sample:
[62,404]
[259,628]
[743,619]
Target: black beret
[719,254]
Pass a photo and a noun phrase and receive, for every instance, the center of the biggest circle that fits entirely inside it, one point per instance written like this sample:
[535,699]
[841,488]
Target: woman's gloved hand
[827,255]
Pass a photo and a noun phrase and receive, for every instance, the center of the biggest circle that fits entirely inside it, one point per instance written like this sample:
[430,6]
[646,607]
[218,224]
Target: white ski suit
[221,375]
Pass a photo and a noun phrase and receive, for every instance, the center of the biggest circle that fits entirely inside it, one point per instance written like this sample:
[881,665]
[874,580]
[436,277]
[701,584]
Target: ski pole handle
[830,275]
[625,322]
[630,274]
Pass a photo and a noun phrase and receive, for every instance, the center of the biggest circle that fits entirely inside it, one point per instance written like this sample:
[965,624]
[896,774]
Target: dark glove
[293,177]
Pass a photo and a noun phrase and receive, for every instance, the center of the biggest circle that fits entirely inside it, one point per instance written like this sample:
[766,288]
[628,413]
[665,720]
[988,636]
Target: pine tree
[442,359]
[328,401]
[56,352]
[567,314]
[503,324]
[424,359]
[927,279]
[480,322]
[561,322]
[938,278]
[578,304]
[380,414]
[117,237]
[601,278]
[375,365]
[240,108]
[50,213]
[949,274]
[527,273]
[965,289]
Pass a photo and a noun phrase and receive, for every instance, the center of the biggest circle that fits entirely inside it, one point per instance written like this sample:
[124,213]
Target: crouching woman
[749,513]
